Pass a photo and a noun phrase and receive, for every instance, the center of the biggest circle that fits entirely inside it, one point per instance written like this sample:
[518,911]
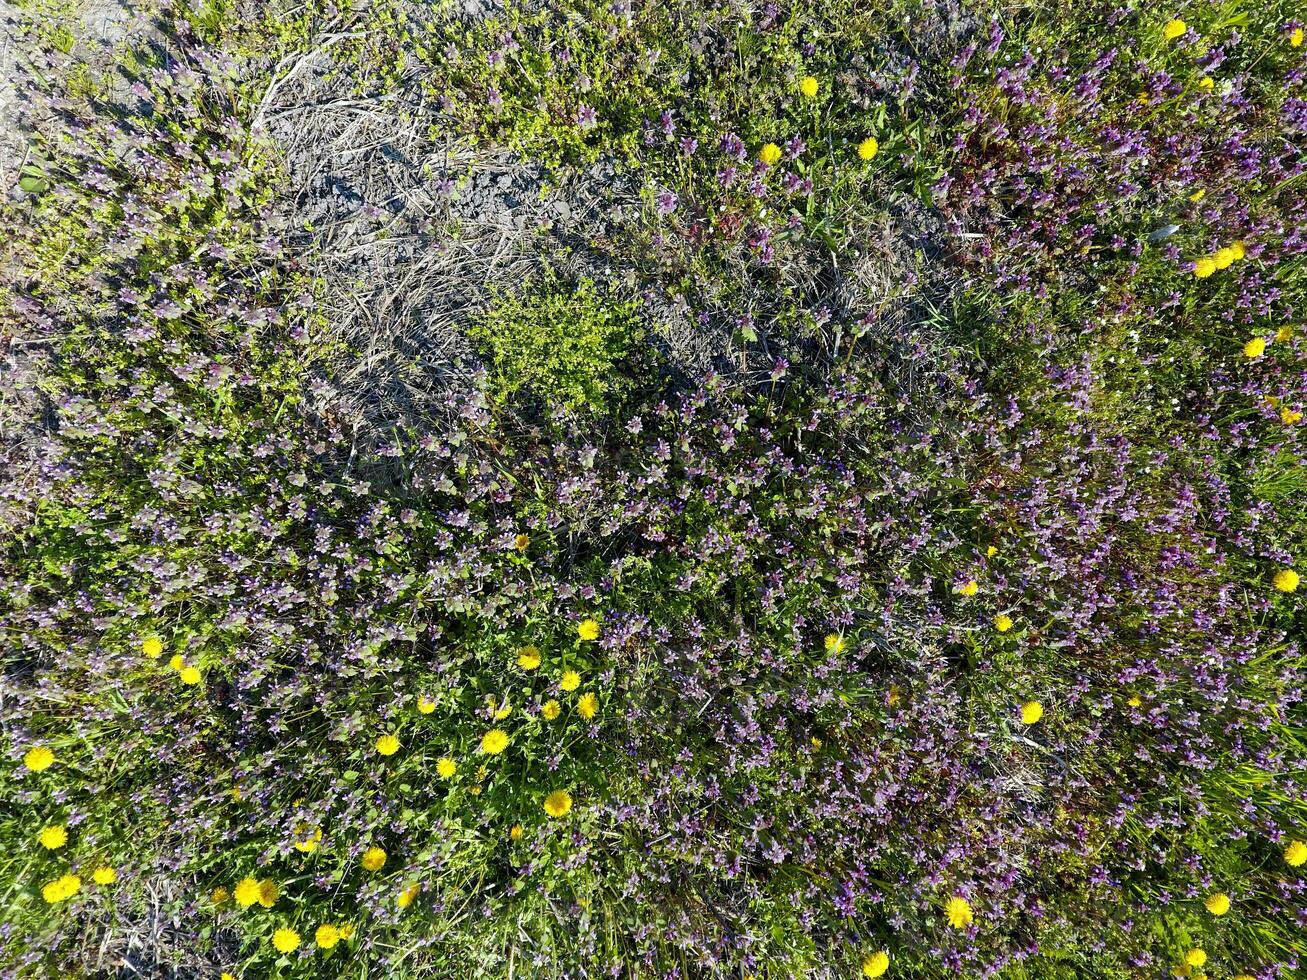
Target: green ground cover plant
[845,515]
[560,345]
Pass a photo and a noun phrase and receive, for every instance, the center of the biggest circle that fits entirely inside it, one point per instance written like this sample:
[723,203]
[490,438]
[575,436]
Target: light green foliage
[560,346]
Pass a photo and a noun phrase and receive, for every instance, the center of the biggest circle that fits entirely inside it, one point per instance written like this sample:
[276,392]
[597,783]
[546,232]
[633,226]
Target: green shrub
[560,346]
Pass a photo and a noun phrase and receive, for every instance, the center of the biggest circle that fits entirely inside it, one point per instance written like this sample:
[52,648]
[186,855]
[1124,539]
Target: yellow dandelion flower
[246,893]
[70,885]
[1218,903]
[347,931]
[226,976]
[1031,712]
[1204,267]
[189,675]
[1207,84]
[1295,855]
[1286,580]
[374,858]
[958,911]
[1284,335]
[1002,622]
[1134,701]
[868,148]
[494,741]
[38,758]
[1174,28]
[220,896]
[876,964]
[53,837]
[991,551]
[152,647]
[1244,976]
[809,86]
[176,661]
[528,658]
[446,767]
[558,803]
[834,643]
[770,154]
[550,709]
[104,875]
[286,940]
[1195,957]
[61,889]
[1295,38]
[1289,416]
[515,832]
[387,745]
[326,936]
[588,629]
[587,706]
[1198,195]
[426,705]
[570,681]
[894,695]
[1223,258]
[968,588]
[522,541]
[1254,348]
[268,893]
[407,895]
[815,742]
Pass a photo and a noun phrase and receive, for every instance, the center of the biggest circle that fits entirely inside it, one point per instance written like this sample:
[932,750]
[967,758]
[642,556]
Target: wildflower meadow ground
[653,489]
